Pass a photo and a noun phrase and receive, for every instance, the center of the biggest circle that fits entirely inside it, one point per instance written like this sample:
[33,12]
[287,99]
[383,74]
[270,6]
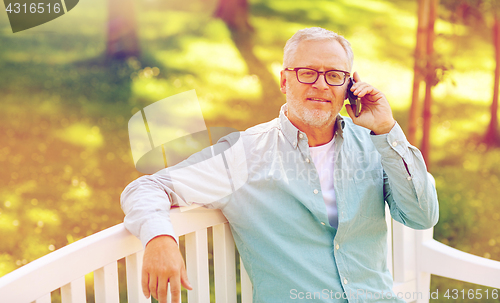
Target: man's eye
[308,74]
[334,75]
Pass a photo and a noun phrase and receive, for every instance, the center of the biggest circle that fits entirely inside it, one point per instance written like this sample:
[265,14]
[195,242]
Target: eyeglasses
[333,77]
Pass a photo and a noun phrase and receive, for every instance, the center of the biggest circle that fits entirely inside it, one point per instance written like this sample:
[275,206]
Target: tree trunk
[430,81]
[235,14]
[492,136]
[418,69]
[122,40]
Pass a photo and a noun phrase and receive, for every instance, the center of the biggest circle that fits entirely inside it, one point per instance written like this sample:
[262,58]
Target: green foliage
[469,203]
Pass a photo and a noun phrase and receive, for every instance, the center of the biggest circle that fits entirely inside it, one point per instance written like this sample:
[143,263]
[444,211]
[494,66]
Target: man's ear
[283,82]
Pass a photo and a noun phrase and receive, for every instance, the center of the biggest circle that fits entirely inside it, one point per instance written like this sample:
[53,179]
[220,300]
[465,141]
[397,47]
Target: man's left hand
[376,113]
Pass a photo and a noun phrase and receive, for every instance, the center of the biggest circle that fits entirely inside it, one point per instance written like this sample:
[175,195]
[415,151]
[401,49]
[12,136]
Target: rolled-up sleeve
[408,188]
[146,203]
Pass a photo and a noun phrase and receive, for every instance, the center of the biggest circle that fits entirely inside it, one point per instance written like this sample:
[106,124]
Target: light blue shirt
[277,214]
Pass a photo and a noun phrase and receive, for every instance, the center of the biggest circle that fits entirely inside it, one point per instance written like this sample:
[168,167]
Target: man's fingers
[145,284]
[162,290]
[361,89]
[175,288]
[356,77]
[163,265]
[350,112]
[184,280]
[367,92]
[153,286]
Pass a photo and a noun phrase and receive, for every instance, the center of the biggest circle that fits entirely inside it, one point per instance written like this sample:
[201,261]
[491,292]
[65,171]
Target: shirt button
[323,223]
[394,143]
[294,143]
[315,191]
[337,246]
[301,136]
[345,281]
[409,178]
[307,160]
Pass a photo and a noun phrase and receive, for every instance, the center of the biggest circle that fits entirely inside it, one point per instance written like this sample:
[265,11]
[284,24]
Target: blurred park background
[68,88]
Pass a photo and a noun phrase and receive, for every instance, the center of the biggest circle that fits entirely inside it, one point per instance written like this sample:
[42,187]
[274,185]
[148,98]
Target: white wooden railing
[415,255]
[66,268]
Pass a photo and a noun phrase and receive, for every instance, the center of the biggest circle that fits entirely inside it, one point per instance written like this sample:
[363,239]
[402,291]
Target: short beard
[316,118]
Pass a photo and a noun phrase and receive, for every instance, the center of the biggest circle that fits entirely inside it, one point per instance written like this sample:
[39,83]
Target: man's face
[314,105]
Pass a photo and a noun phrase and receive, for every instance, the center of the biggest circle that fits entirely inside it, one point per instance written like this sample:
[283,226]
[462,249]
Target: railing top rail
[88,254]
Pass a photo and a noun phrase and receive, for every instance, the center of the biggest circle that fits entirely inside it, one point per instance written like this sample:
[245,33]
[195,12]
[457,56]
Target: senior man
[309,217]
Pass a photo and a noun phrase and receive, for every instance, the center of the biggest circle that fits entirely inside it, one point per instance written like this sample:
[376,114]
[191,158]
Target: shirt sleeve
[205,178]
[408,188]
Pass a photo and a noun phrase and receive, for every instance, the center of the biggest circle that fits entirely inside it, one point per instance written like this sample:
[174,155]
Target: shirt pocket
[370,190]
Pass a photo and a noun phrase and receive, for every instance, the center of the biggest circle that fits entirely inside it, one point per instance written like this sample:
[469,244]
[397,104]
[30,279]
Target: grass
[64,148]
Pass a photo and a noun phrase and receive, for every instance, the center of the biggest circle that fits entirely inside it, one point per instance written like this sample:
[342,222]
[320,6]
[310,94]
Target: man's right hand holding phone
[376,113]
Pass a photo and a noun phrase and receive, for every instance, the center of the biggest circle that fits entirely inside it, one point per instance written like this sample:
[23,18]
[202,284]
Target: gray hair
[318,34]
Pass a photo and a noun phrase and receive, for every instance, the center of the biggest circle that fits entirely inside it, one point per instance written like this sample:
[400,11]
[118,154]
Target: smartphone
[353,99]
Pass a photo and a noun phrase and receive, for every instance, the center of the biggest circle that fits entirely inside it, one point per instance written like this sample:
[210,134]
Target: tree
[478,12]
[419,68]
[234,13]
[430,80]
[492,136]
[122,40]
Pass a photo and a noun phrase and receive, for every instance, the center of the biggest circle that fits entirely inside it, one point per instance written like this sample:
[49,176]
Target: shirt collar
[339,126]
[292,133]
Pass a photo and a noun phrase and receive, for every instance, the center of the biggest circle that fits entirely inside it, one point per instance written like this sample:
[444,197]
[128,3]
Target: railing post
[106,284]
[224,264]
[423,278]
[246,285]
[74,292]
[404,254]
[197,266]
[133,263]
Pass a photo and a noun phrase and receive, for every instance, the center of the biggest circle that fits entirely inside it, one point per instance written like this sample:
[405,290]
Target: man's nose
[321,82]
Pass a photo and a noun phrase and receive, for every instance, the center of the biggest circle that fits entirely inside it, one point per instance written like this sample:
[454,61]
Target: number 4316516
[33,8]
[476,294]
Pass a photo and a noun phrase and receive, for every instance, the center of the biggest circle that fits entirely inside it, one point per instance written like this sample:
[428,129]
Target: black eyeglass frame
[296,70]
